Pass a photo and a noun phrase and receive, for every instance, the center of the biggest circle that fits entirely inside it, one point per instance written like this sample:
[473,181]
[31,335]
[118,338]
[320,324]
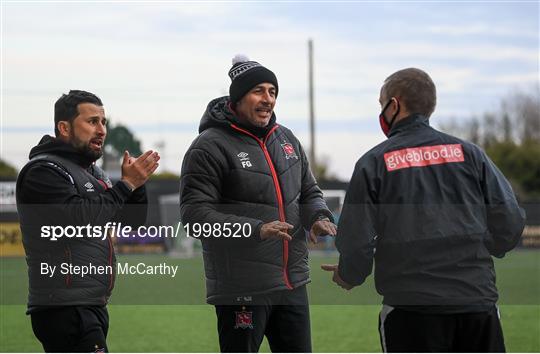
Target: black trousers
[407,331]
[72,328]
[282,316]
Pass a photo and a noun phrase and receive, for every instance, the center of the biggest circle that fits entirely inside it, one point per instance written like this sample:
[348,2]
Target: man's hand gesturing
[322,228]
[276,230]
[336,278]
[135,171]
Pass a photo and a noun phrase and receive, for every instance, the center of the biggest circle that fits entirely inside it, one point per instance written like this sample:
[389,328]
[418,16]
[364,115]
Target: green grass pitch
[163,314]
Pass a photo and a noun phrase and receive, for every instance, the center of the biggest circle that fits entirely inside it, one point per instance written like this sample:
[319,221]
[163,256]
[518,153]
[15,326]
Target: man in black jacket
[432,210]
[62,188]
[247,176]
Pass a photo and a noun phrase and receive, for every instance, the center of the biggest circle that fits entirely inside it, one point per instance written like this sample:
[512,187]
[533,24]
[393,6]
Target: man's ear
[394,105]
[64,127]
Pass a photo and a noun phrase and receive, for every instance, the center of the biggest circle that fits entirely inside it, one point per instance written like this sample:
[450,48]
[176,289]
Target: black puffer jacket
[431,209]
[61,187]
[229,175]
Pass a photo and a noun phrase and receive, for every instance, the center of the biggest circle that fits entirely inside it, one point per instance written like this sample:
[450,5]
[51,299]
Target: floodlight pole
[311,107]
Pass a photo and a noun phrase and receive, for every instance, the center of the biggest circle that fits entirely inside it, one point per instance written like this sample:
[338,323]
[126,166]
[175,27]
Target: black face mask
[385,126]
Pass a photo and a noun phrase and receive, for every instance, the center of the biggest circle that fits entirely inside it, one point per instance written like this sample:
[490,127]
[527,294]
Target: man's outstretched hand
[336,278]
[322,228]
[276,230]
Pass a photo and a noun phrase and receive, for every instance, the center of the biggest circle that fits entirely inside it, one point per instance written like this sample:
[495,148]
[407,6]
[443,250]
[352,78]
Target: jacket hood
[218,114]
[54,146]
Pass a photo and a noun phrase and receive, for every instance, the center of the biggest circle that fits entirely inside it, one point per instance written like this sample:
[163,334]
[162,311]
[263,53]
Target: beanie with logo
[246,74]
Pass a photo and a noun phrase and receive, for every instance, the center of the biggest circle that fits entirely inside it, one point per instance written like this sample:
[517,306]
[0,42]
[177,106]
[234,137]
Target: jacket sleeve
[312,203]
[355,239]
[49,189]
[505,219]
[135,209]
[200,197]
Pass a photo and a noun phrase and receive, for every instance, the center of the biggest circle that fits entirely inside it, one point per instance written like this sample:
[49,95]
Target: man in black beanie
[248,178]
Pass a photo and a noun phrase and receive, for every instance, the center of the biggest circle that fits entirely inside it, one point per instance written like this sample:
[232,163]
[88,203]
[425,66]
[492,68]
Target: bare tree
[523,110]
[490,129]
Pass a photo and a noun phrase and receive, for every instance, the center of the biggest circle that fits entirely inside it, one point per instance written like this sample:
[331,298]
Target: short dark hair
[65,108]
[415,89]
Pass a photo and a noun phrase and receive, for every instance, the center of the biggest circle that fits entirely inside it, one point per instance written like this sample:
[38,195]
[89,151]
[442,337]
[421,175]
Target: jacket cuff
[123,190]
[257,232]
[346,275]
[321,214]
[139,194]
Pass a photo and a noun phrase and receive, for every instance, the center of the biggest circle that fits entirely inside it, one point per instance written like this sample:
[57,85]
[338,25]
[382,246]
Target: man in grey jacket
[247,175]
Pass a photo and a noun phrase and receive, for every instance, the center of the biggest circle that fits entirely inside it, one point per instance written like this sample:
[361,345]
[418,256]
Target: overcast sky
[156,65]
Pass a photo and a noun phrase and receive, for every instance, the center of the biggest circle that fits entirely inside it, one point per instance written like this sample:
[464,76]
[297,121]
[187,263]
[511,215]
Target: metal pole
[311,107]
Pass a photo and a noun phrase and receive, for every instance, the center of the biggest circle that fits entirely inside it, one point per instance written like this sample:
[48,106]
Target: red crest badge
[244,319]
[289,151]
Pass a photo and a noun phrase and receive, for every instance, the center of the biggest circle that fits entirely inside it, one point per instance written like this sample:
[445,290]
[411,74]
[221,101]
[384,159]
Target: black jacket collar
[218,113]
[55,146]
[409,122]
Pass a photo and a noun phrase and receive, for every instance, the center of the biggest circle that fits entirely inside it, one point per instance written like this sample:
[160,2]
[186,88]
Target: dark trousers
[72,328]
[283,317]
[408,331]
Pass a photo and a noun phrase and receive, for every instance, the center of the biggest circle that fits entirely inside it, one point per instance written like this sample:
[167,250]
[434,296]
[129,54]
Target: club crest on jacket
[289,151]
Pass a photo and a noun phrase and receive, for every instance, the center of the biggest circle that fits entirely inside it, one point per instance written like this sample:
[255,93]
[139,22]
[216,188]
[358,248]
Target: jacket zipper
[111,247]
[279,196]
[67,253]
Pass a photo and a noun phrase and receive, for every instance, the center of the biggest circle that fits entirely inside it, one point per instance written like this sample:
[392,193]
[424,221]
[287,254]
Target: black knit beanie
[245,75]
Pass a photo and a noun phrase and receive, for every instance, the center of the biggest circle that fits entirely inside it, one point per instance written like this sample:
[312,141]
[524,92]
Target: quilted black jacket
[230,175]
